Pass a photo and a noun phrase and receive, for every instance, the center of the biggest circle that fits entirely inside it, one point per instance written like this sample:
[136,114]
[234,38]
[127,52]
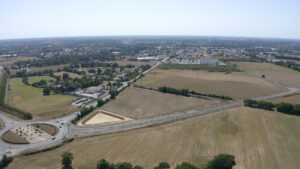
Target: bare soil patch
[102,117]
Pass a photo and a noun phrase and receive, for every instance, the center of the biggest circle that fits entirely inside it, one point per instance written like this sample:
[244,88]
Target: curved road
[69,130]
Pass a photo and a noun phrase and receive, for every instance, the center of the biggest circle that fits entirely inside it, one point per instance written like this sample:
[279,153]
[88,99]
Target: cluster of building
[200,60]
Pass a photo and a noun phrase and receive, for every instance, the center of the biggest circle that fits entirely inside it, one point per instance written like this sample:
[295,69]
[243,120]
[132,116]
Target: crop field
[282,75]
[237,85]
[293,99]
[31,99]
[257,138]
[139,103]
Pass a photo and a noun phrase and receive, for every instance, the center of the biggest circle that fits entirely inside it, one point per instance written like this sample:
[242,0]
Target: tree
[186,165]
[99,71]
[221,161]
[284,107]
[162,165]
[138,167]
[25,79]
[113,94]
[296,109]
[5,161]
[100,102]
[103,164]
[46,91]
[66,160]
[65,76]
[124,165]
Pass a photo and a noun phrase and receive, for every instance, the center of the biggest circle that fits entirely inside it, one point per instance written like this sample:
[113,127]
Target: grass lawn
[52,130]
[141,103]
[31,99]
[72,75]
[1,124]
[257,138]
[237,85]
[13,60]
[13,138]
[34,79]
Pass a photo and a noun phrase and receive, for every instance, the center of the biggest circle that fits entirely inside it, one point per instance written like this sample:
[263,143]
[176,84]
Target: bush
[285,107]
[186,165]
[66,159]
[221,161]
[163,165]
[103,164]
[5,161]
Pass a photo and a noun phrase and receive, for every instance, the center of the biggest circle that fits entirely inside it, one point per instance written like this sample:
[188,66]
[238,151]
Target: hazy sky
[52,18]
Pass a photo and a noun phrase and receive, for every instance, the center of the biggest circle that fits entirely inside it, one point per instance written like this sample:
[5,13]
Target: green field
[257,138]
[31,99]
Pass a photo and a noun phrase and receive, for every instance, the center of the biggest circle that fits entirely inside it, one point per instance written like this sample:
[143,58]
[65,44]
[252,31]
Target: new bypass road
[69,130]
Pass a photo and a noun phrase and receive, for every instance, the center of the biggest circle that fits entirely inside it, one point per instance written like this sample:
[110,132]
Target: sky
[61,18]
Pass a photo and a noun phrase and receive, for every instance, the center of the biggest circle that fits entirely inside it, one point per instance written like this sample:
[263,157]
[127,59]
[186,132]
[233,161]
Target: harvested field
[13,138]
[141,103]
[102,117]
[282,75]
[293,99]
[257,138]
[237,85]
[31,99]
[72,75]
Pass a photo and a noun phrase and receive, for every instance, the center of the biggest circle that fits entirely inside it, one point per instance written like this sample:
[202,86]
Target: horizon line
[90,36]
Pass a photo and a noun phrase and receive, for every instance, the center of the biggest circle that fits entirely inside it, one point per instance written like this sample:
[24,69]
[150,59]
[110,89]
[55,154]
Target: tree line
[186,92]
[289,64]
[220,161]
[210,68]
[282,107]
